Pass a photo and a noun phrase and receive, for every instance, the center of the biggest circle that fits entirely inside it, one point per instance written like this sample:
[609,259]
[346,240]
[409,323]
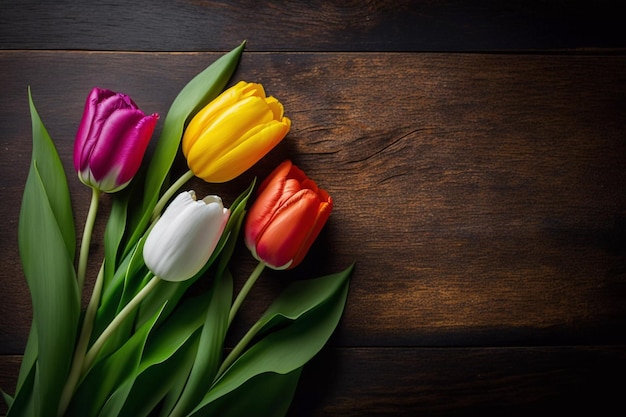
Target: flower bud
[183,239]
[233,132]
[286,218]
[111,140]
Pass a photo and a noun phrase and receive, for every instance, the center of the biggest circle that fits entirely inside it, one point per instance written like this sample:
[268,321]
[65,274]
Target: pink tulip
[111,141]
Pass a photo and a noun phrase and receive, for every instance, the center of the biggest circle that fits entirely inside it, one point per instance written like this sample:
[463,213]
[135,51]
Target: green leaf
[203,88]
[110,299]
[296,300]
[153,384]
[209,356]
[7,398]
[237,214]
[179,380]
[290,347]
[268,395]
[23,403]
[134,279]
[47,246]
[229,237]
[175,331]
[115,402]
[53,179]
[110,373]
[113,233]
[301,297]
[126,282]
[165,355]
[29,359]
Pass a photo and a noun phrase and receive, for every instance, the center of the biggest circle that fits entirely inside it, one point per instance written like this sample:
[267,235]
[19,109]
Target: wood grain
[448,382]
[496,182]
[482,196]
[514,381]
[321,25]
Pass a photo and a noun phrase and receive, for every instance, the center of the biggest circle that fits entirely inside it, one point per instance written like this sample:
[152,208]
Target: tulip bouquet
[151,339]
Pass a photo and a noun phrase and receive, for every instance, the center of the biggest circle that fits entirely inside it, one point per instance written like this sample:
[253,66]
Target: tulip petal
[91,104]
[140,137]
[205,117]
[182,241]
[103,111]
[228,127]
[281,240]
[255,145]
[278,175]
[322,216]
[276,107]
[269,194]
[117,142]
[255,112]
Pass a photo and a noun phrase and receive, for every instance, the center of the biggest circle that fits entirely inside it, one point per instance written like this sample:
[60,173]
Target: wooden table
[475,152]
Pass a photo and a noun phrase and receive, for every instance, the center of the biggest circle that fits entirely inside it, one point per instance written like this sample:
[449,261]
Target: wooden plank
[450,381]
[483,197]
[407,25]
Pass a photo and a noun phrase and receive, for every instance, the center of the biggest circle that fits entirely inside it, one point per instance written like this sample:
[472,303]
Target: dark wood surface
[475,152]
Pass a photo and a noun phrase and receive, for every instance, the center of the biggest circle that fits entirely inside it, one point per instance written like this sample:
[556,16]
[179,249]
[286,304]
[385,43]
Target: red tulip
[286,218]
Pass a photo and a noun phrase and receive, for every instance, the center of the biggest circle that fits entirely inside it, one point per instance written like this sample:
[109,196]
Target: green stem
[244,291]
[84,244]
[169,193]
[83,342]
[238,349]
[115,323]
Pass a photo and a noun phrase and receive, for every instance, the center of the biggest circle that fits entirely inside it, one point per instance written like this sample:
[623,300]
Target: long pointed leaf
[110,373]
[301,297]
[153,384]
[47,247]
[284,350]
[209,355]
[164,355]
[26,378]
[7,398]
[53,179]
[175,332]
[30,356]
[268,395]
[53,289]
[113,233]
[110,299]
[23,404]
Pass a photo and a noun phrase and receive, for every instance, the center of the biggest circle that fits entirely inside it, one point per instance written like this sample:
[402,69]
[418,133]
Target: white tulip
[183,239]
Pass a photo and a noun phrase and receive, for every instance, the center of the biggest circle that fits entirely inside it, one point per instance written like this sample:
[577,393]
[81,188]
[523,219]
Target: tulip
[111,140]
[286,218]
[233,132]
[183,239]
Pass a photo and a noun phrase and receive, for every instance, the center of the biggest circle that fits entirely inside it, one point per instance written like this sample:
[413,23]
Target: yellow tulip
[233,132]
